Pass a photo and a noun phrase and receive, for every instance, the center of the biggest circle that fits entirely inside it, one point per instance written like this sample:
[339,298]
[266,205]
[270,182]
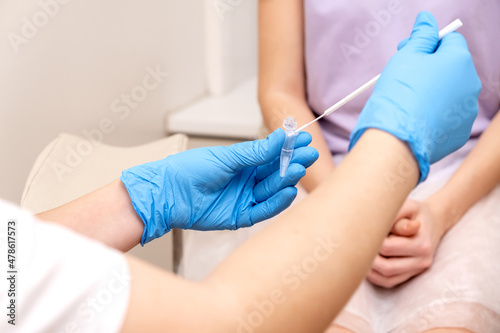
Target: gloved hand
[217,188]
[427,95]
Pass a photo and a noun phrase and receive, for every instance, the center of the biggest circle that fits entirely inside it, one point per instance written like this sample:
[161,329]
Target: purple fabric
[349,42]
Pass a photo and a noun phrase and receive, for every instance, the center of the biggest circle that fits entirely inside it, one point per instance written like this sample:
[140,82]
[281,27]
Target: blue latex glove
[427,95]
[217,188]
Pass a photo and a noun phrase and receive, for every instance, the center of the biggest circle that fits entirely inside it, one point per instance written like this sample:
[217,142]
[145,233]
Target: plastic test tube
[290,126]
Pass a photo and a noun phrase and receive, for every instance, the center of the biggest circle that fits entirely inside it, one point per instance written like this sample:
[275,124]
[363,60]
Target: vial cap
[290,124]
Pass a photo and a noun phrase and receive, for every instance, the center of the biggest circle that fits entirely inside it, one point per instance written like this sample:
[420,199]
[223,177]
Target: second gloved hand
[427,95]
[217,188]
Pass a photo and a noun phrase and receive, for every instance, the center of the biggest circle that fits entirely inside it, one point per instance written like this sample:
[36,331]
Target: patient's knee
[337,329]
[448,330]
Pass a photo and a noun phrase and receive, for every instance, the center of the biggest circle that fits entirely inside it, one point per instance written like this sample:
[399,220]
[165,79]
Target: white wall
[231,43]
[66,76]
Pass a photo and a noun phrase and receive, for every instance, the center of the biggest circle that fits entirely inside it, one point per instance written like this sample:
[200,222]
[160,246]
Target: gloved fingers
[425,34]
[303,139]
[258,152]
[453,41]
[303,155]
[274,183]
[252,153]
[273,206]
[403,43]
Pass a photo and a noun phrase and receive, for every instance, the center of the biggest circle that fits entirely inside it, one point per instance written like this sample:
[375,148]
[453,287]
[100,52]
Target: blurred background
[138,69]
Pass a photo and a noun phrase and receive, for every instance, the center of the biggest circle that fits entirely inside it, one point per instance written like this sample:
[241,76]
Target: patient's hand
[410,247]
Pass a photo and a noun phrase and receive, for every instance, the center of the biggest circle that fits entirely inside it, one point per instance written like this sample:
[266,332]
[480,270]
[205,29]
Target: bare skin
[340,329]
[419,227]
[449,330]
[326,258]
[282,89]
[410,251]
[106,215]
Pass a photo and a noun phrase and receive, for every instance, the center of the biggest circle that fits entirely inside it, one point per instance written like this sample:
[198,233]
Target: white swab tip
[450,28]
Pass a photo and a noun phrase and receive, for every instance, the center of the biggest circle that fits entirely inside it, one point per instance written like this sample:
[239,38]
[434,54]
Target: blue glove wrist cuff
[145,195]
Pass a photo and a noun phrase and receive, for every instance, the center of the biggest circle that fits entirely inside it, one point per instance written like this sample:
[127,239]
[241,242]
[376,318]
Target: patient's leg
[449,330]
[338,329]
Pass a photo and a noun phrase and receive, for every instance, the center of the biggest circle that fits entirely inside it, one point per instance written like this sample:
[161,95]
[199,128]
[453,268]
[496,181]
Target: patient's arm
[282,89]
[106,215]
[404,255]
[306,264]
[476,177]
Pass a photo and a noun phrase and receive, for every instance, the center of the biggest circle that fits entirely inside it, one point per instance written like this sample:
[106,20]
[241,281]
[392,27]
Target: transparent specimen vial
[290,126]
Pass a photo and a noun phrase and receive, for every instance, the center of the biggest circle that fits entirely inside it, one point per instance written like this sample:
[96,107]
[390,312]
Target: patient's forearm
[282,86]
[331,238]
[298,272]
[476,177]
[106,215]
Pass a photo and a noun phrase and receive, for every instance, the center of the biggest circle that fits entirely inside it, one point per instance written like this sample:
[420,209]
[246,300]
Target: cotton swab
[446,30]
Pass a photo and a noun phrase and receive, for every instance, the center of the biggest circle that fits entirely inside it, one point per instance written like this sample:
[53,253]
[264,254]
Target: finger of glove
[403,43]
[272,206]
[452,42]
[425,34]
[252,153]
[305,156]
[303,139]
[274,183]
[258,152]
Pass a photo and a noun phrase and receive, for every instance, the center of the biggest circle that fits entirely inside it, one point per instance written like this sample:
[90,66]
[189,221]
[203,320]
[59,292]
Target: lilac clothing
[349,42]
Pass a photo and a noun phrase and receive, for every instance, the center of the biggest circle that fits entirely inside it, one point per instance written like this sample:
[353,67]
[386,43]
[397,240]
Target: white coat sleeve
[56,280]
